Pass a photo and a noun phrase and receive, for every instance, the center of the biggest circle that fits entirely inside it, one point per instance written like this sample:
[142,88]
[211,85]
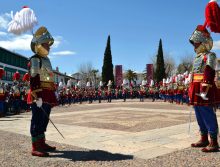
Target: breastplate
[199,64]
[46,73]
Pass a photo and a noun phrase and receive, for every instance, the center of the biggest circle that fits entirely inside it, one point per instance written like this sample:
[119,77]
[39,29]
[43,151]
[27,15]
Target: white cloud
[21,42]
[50,57]
[4,20]
[62,53]
[17,43]
[57,41]
[216,45]
[3,33]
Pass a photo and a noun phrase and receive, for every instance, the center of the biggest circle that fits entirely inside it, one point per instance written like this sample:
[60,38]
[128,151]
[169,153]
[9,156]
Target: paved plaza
[120,133]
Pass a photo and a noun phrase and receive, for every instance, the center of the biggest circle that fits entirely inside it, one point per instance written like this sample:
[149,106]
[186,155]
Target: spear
[52,122]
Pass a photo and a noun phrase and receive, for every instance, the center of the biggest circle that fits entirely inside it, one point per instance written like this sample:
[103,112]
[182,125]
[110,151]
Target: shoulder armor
[211,60]
[35,65]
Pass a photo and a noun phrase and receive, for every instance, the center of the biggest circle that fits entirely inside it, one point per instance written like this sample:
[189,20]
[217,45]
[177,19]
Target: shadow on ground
[93,155]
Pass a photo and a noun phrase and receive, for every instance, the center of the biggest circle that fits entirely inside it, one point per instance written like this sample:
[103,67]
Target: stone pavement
[143,144]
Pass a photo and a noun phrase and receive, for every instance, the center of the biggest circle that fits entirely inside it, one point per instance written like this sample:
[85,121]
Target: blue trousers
[2,107]
[39,120]
[207,120]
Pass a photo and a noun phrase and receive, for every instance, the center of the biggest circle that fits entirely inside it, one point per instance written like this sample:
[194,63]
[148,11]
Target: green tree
[160,68]
[107,68]
[131,75]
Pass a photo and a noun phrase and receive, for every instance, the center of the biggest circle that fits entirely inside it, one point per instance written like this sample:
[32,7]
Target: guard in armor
[124,93]
[100,94]
[141,93]
[180,88]
[2,100]
[16,95]
[42,91]
[109,91]
[152,90]
[2,94]
[202,89]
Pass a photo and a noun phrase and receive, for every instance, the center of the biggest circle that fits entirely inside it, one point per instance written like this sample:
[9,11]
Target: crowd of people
[13,97]
[167,92]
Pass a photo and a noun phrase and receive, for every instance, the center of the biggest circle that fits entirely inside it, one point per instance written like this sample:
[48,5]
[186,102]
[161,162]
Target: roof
[59,73]
[6,50]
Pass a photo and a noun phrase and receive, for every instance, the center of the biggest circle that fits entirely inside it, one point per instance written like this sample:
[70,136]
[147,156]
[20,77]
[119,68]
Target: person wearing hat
[42,91]
[202,89]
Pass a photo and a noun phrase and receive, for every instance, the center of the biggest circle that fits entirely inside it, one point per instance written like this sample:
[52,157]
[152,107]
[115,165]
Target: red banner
[150,72]
[118,75]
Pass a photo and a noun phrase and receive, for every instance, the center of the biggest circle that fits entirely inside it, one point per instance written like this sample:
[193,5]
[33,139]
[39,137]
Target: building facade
[118,75]
[62,77]
[12,62]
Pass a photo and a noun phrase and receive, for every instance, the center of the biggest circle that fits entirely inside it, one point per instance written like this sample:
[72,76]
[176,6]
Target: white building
[62,77]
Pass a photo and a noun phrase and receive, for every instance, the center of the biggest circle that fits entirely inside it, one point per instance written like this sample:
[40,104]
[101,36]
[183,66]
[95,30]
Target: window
[8,75]
[3,58]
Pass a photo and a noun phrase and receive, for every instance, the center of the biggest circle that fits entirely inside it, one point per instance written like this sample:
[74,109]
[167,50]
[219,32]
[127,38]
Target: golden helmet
[41,42]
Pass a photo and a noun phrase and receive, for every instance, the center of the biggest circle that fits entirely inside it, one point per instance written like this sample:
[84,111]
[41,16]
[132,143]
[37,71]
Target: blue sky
[81,28]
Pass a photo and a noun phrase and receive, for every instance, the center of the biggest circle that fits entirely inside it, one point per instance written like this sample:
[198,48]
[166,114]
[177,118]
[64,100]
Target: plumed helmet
[202,37]
[26,77]
[109,83]
[151,83]
[69,83]
[79,83]
[88,84]
[100,83]
[61,84]
[16,76]
[124,82]
[164,80]
[144,82]
[40,37]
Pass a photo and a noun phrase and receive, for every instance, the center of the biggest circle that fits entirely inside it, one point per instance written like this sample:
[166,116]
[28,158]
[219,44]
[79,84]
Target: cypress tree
[107,68]
[160,69]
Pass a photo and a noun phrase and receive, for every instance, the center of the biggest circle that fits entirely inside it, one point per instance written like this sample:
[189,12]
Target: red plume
[2,73]
[16,76]
[26,77]
[212,16]
[29,65]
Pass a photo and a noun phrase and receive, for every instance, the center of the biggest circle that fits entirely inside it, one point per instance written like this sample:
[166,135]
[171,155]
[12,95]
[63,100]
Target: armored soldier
[152,90]
[109,91]
[2,100]
[42,91]
[16,97]
[180,88]
[141,93]
[202,89]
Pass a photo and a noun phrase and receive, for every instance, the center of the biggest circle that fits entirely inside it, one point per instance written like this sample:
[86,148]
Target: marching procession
[13,97]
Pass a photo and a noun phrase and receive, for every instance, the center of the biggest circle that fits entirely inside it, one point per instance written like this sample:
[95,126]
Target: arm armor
[211,60]
[209,72]
[35,66]
[35,77]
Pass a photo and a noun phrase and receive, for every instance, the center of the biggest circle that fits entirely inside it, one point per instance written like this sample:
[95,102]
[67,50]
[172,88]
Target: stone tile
[153,152]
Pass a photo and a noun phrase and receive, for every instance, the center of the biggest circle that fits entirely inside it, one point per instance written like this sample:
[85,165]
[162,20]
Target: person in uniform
[202,89]
[16,95]
[2,100]
[2,94]
[141,93]
[42,91]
